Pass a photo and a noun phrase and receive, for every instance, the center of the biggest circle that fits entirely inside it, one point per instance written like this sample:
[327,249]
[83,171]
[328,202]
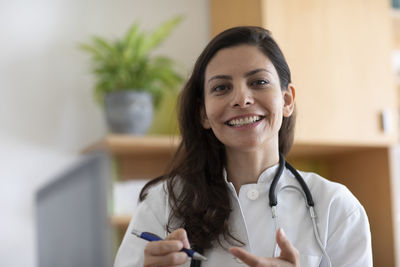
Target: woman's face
[244,103]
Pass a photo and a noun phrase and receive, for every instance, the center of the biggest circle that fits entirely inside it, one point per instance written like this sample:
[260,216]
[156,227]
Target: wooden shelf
[146,157]
[121,144]
[321,150]
[143,146]
[138,157]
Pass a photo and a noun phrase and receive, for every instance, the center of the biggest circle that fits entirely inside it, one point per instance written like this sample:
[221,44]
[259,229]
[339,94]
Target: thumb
[179,234]
[288,251]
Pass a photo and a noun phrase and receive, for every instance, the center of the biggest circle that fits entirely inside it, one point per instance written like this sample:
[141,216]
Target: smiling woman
[229,173]
[243,91]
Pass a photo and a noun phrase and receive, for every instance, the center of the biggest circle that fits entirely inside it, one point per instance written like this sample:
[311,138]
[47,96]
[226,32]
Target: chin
[246,145]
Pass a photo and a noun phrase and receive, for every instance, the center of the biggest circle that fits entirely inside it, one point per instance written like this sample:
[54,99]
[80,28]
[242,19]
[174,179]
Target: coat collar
[265,177]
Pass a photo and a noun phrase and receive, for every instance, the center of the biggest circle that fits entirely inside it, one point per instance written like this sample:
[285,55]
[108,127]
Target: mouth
[244,121]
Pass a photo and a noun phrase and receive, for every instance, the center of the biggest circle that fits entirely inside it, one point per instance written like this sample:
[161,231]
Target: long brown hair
[202,203]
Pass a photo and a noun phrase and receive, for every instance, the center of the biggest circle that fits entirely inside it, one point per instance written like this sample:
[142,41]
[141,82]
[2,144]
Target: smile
[244,121]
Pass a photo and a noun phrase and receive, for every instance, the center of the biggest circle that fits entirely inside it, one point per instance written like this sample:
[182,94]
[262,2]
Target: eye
[260,83]
[221,88]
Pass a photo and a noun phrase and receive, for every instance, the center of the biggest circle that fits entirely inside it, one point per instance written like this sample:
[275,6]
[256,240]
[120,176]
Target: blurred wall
[47,112]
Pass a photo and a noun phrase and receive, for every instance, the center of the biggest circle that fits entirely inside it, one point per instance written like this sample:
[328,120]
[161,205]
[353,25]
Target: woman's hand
[289,254]
[167,252]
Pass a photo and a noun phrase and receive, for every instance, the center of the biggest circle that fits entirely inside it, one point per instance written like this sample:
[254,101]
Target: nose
[242,97]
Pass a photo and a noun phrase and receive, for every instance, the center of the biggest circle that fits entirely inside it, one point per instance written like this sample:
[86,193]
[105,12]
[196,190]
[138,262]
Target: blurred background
[344,56]
[48,113]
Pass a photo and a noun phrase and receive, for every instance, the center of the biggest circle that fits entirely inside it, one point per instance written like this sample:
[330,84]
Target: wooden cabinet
[367,170]
[339,54]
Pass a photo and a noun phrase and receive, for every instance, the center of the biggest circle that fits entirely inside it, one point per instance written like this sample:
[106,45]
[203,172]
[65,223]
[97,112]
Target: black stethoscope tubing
[272,196]
[282,163]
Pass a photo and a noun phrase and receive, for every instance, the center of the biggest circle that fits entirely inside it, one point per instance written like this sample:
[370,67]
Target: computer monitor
[71,216]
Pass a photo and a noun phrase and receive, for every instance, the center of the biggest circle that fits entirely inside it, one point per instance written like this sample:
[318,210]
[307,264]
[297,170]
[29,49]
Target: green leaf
[126,63]
[159,35]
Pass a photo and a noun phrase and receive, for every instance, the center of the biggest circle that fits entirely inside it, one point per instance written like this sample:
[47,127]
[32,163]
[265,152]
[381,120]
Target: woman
[236,119]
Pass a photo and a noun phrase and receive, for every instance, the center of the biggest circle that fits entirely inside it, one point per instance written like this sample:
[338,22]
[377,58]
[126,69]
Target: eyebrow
[222,77]
[247,74]
[228,77]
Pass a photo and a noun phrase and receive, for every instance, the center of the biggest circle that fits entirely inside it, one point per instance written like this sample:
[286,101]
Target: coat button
[252,194]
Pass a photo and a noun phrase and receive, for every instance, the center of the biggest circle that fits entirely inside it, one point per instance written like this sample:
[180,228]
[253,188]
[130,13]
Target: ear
[203,118]
[288,100]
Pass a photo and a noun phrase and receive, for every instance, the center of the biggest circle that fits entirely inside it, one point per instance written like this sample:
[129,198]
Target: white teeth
[244,121]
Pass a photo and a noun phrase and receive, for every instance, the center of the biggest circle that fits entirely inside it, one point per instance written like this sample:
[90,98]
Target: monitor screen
[71,216]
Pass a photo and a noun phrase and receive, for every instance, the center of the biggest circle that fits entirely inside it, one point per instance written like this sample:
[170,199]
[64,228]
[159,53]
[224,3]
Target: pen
[153,237]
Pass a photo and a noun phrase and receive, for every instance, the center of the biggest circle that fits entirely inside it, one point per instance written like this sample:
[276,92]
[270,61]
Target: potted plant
[129,79]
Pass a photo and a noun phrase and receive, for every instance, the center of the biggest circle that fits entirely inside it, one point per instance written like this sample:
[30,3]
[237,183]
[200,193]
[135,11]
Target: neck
[244,167]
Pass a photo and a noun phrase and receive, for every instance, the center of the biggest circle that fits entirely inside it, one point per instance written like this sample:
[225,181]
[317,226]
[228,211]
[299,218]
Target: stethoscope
[273,202]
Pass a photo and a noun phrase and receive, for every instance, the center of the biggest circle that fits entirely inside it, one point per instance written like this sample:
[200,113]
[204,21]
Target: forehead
[237,60]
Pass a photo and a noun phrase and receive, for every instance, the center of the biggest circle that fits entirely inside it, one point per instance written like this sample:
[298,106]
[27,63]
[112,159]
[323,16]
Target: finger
[288,251]
[176,258]
[179,234]
[171,259]
[244,256]
[164,247]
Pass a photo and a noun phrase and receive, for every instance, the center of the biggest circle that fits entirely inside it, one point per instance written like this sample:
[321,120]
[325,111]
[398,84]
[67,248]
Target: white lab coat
[341,221]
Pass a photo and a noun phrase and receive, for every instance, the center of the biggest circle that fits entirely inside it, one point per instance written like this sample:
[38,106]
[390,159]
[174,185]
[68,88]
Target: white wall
[47,112]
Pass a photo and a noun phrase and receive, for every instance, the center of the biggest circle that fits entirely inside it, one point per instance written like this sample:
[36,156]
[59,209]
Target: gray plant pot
[129,112]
